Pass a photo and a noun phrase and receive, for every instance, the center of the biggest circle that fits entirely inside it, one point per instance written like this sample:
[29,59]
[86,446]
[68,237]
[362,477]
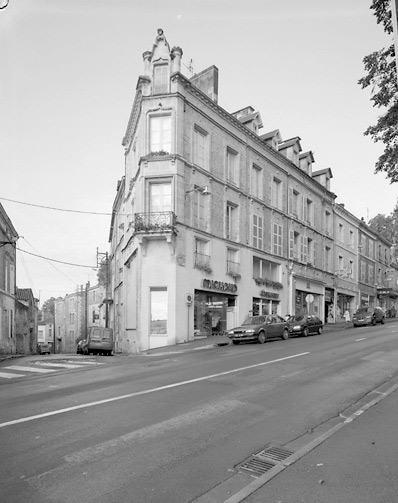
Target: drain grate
[256,466]
[275,453]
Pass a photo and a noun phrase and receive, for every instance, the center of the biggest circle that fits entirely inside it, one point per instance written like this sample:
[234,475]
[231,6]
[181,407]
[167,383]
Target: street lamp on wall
[202,190]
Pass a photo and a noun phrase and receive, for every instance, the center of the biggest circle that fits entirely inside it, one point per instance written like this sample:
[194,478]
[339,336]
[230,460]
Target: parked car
[305,325]
[99,341]
[368,316]
[43,349]
[80,347]
[260,329]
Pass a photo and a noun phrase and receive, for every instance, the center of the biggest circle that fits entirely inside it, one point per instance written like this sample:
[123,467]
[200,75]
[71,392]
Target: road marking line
[74,362]
[146,392]
[6,375]
[363,339]
[29,369]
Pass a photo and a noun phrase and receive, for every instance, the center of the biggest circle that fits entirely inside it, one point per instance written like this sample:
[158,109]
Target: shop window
[158,314]
[262,307]
[211,312]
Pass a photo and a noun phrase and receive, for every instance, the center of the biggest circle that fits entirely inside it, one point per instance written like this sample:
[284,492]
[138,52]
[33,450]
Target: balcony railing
[160,222]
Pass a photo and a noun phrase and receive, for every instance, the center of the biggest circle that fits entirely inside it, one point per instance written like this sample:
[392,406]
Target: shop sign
[270,295]
[220,285]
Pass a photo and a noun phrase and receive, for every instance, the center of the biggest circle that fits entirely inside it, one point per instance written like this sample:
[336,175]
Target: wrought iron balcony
[161,222]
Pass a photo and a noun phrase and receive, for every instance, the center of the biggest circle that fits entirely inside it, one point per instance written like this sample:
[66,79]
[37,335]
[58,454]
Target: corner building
[213,219]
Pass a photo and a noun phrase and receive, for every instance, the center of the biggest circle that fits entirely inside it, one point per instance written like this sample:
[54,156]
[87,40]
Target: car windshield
[363,310]
[254,320]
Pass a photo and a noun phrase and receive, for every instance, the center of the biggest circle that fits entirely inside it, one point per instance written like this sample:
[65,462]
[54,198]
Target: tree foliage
[381,78]
[103,273]
[386,226]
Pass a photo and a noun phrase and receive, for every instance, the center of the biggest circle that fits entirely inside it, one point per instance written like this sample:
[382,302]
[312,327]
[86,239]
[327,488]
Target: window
[294,203]
[308,211]
[158,314]
[9,275]
[341,233]
[257,182]
[257,232]
[328,220]
[160,79]
[371,274]
[277,239]
[232,166]
[160,133]
[363,271]
[340,264]
[328,254]
[351,238]
[200,210]
[303,249]
[231,229]
[232,261]
[200,147]
[277,194]
[159,197]
[311,251]
[371,248]
[265,269]
[351,270]
[202,256]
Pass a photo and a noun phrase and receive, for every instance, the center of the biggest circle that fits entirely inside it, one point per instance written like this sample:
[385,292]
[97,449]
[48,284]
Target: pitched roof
[288,143]
[24,294]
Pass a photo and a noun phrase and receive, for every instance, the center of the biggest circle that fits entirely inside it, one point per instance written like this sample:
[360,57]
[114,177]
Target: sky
[69,70]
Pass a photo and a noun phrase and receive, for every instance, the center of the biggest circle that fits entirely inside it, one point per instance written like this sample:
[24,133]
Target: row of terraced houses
[214,220]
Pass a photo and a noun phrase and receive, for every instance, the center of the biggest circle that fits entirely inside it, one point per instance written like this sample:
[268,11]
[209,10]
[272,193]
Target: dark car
[305,325]
[260,329]
[368,316]
[43,349]
[80,347]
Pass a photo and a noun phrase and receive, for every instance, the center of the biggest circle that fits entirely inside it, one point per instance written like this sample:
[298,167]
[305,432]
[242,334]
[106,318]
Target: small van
[99,341]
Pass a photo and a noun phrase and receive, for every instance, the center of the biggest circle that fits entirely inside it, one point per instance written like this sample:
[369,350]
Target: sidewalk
[353,462]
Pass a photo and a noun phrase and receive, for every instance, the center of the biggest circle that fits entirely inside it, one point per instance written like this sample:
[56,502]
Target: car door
[310,324]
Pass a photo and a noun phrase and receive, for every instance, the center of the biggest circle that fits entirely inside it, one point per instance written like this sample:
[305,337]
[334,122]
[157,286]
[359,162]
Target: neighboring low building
[75,313]
[8,238]
[26,316]
[45,335]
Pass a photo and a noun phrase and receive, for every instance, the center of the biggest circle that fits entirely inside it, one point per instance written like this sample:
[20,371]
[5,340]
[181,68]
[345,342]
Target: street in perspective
[198,255]
[206,422]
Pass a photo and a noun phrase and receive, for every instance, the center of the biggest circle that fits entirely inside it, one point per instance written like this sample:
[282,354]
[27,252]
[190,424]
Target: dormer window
[160,79]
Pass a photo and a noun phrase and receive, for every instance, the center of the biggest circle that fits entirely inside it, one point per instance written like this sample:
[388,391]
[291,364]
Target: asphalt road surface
[169,428]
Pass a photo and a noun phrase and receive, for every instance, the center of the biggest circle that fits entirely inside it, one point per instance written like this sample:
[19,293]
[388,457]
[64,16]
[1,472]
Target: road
[169,428]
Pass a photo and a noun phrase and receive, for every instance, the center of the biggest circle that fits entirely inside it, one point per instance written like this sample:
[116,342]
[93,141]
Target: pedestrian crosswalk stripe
[8,375]
[61,365]
[82,362]
[30,369]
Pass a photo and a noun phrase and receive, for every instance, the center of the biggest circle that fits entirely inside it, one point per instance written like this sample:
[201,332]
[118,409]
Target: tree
[386,226]
[103,272]
[382,79]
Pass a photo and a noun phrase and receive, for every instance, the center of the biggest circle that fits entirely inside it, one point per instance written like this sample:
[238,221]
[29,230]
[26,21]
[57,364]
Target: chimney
[207,82]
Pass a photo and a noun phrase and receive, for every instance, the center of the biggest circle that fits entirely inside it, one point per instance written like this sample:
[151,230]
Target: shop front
[387,299]
[214,308]
[308,298]
[367,296]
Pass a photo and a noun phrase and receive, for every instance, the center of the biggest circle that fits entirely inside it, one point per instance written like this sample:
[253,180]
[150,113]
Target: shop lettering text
[220,285]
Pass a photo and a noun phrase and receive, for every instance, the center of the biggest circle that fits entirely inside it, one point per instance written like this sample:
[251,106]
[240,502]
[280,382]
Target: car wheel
[305,332]
[319,330]
[235,342]
[261,337]
[373,321]
[285,334]
[382,321]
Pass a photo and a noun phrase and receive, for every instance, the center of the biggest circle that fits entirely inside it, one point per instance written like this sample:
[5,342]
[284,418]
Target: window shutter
[291,244]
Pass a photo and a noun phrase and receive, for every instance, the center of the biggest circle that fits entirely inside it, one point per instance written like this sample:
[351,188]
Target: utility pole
[102,258]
